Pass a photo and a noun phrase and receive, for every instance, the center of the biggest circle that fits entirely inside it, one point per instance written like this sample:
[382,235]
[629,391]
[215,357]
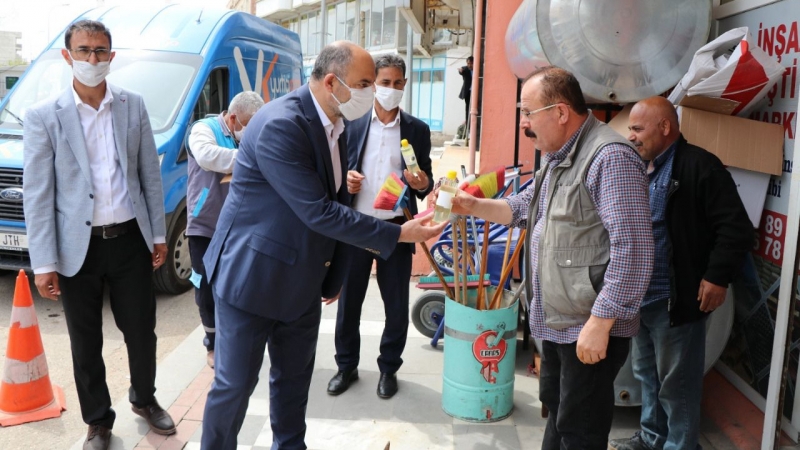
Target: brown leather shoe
[159,420]
[210,358]
[98,438]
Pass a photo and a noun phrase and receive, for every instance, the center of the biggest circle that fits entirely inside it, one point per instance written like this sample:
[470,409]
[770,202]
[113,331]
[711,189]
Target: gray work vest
[574,246]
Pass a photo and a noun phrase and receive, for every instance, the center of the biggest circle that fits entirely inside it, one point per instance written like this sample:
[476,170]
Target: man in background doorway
[466,88]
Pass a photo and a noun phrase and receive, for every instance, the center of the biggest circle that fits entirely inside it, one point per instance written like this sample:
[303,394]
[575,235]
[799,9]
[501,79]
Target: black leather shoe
[387,385]
[158,419]
[341,381]
[98,438]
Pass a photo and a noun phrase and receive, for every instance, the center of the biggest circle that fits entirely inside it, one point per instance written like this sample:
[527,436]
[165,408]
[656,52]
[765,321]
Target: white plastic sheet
[745,75]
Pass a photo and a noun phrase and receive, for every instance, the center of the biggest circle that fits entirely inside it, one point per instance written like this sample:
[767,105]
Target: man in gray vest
[702,235]
[213,143]
[591,254]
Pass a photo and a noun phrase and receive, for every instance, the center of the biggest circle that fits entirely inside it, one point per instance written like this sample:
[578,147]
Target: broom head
[392,194]
[487,185]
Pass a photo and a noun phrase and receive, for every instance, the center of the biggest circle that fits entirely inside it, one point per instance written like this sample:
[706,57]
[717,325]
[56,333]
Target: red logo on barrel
[489,349]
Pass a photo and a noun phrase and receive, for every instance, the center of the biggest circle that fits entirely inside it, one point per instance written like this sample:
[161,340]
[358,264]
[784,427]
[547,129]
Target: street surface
[176,317]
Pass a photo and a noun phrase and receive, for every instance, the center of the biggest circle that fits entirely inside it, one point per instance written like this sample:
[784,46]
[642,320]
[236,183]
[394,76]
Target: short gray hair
[390,60]
[333,59]
[245,104]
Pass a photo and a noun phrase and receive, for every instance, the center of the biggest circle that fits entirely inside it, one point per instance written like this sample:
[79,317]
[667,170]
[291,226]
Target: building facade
[10,48]
[382,26]
[9,75]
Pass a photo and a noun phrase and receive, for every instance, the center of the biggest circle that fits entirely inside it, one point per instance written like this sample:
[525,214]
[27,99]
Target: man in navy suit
[279,246]
[374,153]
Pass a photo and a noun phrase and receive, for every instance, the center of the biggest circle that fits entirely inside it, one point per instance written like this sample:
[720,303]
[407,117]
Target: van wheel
[173,276]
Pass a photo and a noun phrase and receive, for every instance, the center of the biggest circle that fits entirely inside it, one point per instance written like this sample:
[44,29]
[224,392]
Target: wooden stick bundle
[456,270]
[484,260]
[431,261]
[507,268]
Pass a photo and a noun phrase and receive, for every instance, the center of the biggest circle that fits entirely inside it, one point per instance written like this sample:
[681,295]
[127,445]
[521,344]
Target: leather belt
[112,231]
[399,220]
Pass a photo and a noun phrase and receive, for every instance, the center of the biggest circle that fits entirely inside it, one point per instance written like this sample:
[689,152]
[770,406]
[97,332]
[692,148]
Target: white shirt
[208,154]
[332,132]
[381,157]
[112,204]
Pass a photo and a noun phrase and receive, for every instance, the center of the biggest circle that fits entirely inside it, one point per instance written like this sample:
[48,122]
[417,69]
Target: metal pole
[410,69]
[477,73]
[362,32]
[324,24]
[783,311]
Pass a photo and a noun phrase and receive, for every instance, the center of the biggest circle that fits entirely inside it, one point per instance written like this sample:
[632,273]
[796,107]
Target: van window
[214,95]
[161,78]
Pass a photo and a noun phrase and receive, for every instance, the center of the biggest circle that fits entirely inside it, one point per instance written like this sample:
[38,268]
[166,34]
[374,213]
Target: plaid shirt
[617,183]
[660,181]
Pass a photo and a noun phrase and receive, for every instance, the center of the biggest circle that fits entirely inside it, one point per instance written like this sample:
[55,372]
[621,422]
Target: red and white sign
[489,349]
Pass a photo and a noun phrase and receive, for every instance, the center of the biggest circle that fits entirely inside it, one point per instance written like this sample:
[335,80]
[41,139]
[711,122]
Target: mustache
[529,133]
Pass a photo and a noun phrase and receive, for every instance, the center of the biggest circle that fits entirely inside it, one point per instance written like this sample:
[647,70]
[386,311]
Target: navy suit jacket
[419,136]
[278,245]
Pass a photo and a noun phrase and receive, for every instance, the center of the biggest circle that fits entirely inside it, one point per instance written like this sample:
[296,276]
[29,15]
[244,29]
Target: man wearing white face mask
[281,246]
[95,213]
[374,153]
[213,143]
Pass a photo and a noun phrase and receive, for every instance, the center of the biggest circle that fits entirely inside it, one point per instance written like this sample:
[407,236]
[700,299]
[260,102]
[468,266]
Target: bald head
[340,68]
[653,126]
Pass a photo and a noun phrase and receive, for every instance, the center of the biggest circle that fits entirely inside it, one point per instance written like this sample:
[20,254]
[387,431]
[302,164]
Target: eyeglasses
[84,53]
[528,114]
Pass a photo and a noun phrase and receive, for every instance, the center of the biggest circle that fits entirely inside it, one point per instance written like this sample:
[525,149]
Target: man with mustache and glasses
[94,209]
[374,153]
[280,245]
[590,255]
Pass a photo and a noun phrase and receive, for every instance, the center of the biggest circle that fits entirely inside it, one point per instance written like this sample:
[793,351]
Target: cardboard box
[738,142]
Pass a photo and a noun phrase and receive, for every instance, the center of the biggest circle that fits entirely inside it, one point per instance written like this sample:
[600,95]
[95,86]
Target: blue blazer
[278,245]
[419,136]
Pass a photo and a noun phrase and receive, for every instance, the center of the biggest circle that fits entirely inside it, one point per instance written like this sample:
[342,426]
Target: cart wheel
[428,312]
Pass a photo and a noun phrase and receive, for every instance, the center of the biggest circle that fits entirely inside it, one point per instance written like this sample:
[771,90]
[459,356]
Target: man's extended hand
[710,296]
[418,181]
[354,181]
[47,284]
[418,230]
[159,255]
[593,340]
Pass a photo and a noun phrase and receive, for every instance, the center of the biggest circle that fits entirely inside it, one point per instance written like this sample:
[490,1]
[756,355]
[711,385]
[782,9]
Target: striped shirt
[617,184]
[660,181]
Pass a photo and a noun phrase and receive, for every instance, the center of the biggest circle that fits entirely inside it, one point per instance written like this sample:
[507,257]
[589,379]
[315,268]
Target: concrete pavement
[358,419]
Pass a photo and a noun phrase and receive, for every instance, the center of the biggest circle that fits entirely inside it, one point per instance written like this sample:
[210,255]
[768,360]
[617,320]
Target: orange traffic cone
[26,394]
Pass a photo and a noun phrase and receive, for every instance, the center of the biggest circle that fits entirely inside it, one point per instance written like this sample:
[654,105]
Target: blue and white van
[187,62]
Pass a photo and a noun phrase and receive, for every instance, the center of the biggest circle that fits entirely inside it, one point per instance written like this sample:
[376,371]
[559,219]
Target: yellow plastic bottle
[444,203]
[408,155]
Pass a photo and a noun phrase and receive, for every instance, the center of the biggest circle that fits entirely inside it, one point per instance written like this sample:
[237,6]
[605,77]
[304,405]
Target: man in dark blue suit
[279,246]
[374,153]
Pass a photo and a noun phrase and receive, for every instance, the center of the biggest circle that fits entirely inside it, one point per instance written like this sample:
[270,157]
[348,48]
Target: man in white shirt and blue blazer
[279,246]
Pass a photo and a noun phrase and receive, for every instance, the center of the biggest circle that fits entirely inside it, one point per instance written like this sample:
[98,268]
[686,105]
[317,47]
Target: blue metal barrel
[479,359]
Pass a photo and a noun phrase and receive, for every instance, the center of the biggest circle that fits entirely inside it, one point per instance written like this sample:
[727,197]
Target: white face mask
[359,104]
[90,74]
[237,134]
[388,98]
